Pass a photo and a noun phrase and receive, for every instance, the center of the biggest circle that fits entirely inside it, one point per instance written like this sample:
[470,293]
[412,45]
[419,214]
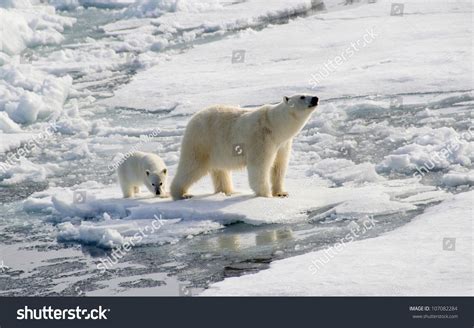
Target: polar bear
[142,168]
[224,138]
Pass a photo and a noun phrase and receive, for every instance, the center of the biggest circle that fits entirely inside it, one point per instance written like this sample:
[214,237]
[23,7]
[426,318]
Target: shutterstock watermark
[48,313]
[120,251]
[3,267]
[238,56]
[184,290]
[332,65]
[238,150]
[449,244]
[144,139]
[356,230]
[13,158]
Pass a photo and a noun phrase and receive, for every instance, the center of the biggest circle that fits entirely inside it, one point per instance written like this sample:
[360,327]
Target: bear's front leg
[127,188]
[259,167]
[279,168]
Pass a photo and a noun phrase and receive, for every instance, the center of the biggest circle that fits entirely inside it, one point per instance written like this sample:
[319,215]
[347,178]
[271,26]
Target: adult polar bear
[223,138]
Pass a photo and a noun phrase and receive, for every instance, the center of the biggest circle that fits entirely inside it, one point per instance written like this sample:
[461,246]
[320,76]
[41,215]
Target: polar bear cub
[143,169]
[224,138]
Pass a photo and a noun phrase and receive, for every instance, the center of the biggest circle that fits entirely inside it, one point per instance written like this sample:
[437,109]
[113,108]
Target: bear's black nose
[314,101]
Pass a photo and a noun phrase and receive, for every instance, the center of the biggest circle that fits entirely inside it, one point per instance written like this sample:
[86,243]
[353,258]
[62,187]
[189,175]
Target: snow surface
[298,50]
[409,261]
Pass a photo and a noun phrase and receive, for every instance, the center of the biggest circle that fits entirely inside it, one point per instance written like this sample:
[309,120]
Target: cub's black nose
[314,101]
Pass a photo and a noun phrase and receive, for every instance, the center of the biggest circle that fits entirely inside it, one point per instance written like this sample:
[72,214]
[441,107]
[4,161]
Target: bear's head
[156,181]
[301,104]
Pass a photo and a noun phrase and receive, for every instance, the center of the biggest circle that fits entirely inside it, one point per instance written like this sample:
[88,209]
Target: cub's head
[156,181]
[301,104]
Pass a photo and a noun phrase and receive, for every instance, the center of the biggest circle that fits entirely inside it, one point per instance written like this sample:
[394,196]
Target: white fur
[143,169]
[265,134]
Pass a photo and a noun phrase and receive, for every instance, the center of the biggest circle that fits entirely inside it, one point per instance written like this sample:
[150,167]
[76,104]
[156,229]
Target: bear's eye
[302,97]
[161,183]
[153,184]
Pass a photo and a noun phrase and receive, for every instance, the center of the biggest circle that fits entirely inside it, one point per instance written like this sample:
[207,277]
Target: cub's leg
[222,181]
[279,168]
[259,165]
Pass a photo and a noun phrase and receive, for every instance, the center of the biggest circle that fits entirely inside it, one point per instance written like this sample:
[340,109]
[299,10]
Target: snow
[207,212]
[11,141]
[90,234]
[26,25]
[25,171]
[7,125]
[458,177]
[435,150]
[308,43]
[152,25]
[342,170]
[27,95]
[117,234]
[73,4]
[409,261]
[154,8]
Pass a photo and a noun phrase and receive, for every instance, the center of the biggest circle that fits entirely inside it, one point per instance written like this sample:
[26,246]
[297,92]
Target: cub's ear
[164,171]
[285,99]
[147,172]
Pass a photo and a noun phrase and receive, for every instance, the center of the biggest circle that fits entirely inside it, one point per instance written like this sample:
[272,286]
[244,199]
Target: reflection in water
[265,238]
[284,234]
[272,236]
[236,242]
[231,242]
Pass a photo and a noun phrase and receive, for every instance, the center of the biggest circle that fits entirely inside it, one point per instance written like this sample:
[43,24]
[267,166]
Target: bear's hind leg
[186,175]
[222,181]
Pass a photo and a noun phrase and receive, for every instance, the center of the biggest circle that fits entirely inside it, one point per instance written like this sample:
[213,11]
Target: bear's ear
[164,171]
[285,99]
[147,172]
